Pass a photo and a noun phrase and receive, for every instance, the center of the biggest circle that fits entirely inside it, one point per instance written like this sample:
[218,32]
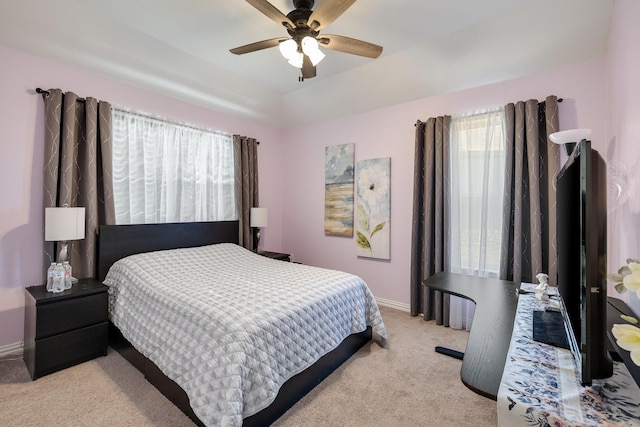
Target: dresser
[541,385]
[66,328]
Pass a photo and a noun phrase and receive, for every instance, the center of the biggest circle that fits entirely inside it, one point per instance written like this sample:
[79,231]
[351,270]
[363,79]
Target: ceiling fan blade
[272,12]
[308,69]
[349,45]
[327,12]
[264,44]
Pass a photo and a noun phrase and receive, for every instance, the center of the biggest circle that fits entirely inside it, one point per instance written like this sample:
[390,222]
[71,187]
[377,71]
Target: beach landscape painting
[338,189]
[373,208]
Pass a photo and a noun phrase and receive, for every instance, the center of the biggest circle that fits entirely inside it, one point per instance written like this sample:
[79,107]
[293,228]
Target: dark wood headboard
[119,241]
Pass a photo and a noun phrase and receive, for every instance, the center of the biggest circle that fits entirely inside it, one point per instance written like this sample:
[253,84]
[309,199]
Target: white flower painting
[373,208]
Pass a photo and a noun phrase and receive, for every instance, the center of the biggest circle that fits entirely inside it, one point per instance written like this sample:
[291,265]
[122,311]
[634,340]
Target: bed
[241,353]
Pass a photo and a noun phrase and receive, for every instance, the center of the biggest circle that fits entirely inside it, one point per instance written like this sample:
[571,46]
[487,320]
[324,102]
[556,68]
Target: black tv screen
[582,259]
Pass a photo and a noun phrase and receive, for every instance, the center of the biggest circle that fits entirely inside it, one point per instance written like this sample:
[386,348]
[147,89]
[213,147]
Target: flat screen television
[582,259]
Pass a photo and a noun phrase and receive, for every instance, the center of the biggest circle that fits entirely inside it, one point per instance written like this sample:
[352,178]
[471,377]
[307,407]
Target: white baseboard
[12,350]
[393,304]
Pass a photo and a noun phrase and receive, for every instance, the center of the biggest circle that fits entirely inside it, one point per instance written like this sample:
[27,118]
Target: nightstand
[276,255]
[66,328]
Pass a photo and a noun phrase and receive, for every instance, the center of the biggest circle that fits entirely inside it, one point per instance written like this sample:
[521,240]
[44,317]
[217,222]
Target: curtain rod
[47,93]
[559,100]
[161,119]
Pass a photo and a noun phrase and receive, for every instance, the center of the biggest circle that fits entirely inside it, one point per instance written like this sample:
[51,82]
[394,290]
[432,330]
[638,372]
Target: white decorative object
[627,278]
[543,280]
[628,335]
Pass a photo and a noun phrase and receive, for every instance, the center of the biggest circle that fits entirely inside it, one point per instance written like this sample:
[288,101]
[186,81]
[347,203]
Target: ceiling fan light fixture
[309,45]
[289,48]
[296,59]
[311,49]
[316,57]
[303,26]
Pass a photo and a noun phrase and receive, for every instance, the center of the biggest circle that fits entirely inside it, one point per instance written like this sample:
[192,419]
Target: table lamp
[258,220]
[61,225]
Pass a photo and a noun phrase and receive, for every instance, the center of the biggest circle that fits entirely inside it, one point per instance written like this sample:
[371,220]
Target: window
[477,183]
[477,188]
[168,172]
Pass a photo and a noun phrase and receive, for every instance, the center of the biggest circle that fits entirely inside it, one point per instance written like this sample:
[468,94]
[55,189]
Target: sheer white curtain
[168,172]
[477,184]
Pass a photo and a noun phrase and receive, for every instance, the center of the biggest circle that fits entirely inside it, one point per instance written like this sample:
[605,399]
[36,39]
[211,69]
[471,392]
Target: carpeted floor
[403,384]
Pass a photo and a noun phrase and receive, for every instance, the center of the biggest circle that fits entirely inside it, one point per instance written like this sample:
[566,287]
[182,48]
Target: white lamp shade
[296,60]
[309,45]
[316,57]
[258,217]
[288,48]
[61,224]
[571,135]
[311,49]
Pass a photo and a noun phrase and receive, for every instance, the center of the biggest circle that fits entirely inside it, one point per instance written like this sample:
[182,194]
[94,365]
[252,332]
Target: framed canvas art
[338,190]
[373,208]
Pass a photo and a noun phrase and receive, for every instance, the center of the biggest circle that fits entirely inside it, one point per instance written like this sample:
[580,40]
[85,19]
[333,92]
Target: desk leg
[449,352]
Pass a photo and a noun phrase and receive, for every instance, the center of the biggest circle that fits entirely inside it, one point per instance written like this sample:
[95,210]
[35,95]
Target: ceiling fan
[303,26]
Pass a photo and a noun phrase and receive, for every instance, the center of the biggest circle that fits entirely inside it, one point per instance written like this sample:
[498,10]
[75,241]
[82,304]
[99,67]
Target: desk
[530,394]
[496,302]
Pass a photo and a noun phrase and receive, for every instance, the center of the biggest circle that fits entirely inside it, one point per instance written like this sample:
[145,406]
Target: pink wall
[623,135]
[21,164]
[389,132]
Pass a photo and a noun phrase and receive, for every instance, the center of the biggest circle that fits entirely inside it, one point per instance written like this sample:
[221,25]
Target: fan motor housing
[299,17]
[303,4]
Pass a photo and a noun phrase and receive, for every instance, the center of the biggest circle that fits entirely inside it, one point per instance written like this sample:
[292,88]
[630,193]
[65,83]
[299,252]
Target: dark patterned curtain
[430,217]
[529,211]
[246,158]
[77,170]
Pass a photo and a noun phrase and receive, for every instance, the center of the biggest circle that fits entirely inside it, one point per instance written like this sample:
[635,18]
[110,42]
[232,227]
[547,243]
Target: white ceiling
[181,48]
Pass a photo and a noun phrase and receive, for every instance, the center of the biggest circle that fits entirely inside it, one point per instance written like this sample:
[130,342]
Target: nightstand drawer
[62,351]
[71,314]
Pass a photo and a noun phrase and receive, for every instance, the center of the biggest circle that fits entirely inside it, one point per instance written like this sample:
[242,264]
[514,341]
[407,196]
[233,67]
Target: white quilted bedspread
[229,326]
